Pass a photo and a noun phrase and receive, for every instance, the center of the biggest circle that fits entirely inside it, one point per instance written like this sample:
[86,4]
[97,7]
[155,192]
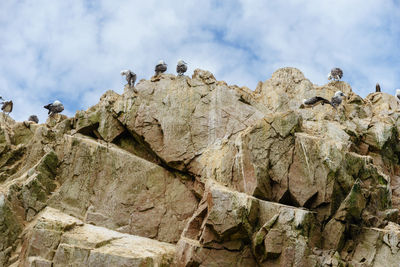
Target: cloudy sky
[74,50]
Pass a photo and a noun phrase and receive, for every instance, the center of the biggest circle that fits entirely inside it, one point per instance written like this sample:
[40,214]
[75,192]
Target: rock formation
[193,172]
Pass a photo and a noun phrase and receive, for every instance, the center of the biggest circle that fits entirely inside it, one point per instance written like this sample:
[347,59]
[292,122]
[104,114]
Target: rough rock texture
[193,172]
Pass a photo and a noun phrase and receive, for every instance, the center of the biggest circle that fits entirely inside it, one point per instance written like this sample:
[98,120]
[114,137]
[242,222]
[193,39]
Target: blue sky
[74,50]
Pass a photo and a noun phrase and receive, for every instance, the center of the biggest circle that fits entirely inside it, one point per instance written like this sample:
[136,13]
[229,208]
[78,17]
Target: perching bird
[336,74]
[130,77]
[313,101]
[7,106]
[55,107]
[337,99]
[377,88]
[181,67]
[398,95]
[161,67]
[33,118]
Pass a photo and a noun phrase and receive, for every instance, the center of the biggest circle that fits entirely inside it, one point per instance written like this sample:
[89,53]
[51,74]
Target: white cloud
[74,50]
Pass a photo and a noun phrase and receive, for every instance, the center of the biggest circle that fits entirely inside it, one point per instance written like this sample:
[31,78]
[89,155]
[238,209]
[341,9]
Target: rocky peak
[193,172]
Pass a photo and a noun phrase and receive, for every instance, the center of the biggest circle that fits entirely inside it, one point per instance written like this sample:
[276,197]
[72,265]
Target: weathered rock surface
[56,239]
[193,172]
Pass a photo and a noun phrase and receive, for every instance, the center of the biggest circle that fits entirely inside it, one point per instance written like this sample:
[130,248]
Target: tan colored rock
[57,239]
[139,162]
[98,121]
[179,119]
[228,219]
[107,186]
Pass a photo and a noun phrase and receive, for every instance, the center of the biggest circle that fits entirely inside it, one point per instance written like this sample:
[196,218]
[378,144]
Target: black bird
[336,100]
[377,88]
[55,107]
[181,67]
[6,106]
[336,74]
[130,77]
[33,118]
[161,67]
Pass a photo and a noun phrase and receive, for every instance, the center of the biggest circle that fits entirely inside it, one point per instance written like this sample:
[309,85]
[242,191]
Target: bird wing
[315,100]
[48,106]
[378,88]
[7,106]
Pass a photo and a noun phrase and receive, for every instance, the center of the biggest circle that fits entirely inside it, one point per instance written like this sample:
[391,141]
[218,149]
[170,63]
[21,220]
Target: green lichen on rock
[10,228]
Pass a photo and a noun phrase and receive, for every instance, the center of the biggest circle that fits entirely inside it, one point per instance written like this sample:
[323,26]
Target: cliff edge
[194,172]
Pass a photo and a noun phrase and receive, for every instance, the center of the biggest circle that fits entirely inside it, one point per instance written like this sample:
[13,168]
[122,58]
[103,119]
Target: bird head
[56,103]
[181,62]
[124,72]
[339,93]
[161,62]
[397,91]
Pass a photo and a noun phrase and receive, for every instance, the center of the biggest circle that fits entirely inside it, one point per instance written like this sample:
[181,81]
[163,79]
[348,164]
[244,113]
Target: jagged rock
[232,177]
[98,121]
[107,186]
[179,120]
[57,239]
[228,219]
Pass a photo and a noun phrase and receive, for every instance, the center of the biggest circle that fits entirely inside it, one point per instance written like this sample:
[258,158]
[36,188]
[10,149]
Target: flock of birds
[161,67]
[335,74]
[53,108]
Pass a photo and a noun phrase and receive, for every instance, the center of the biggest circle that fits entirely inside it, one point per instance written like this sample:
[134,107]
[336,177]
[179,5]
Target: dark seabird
[130,77]
[161,67]
[7,106]
[33,118]
[181,67]
[55,107]
[336,74]
[398,95]
[337,99]
[313,101]
[377,88]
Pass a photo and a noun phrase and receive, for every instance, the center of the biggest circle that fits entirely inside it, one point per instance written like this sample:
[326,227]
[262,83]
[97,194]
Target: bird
[377,88]
[336,100]
[130,77]
[336,74]
[398,95]
[181,67]
[55,107]
[315,100]
[7,106]
[33,118]
[161,67]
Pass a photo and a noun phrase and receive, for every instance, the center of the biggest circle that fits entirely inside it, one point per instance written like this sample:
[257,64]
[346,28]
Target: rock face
[192,172]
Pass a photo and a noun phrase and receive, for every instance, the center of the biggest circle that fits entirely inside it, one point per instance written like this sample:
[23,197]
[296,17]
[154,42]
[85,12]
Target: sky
[74,50]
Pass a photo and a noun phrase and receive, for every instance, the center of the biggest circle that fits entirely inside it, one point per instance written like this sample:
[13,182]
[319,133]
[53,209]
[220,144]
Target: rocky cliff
[194,172]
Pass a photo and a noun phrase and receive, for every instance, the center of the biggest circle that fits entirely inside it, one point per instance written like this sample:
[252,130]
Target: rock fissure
[195,172]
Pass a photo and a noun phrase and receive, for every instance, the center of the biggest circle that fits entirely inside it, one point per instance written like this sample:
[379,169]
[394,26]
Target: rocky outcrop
[194,172]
